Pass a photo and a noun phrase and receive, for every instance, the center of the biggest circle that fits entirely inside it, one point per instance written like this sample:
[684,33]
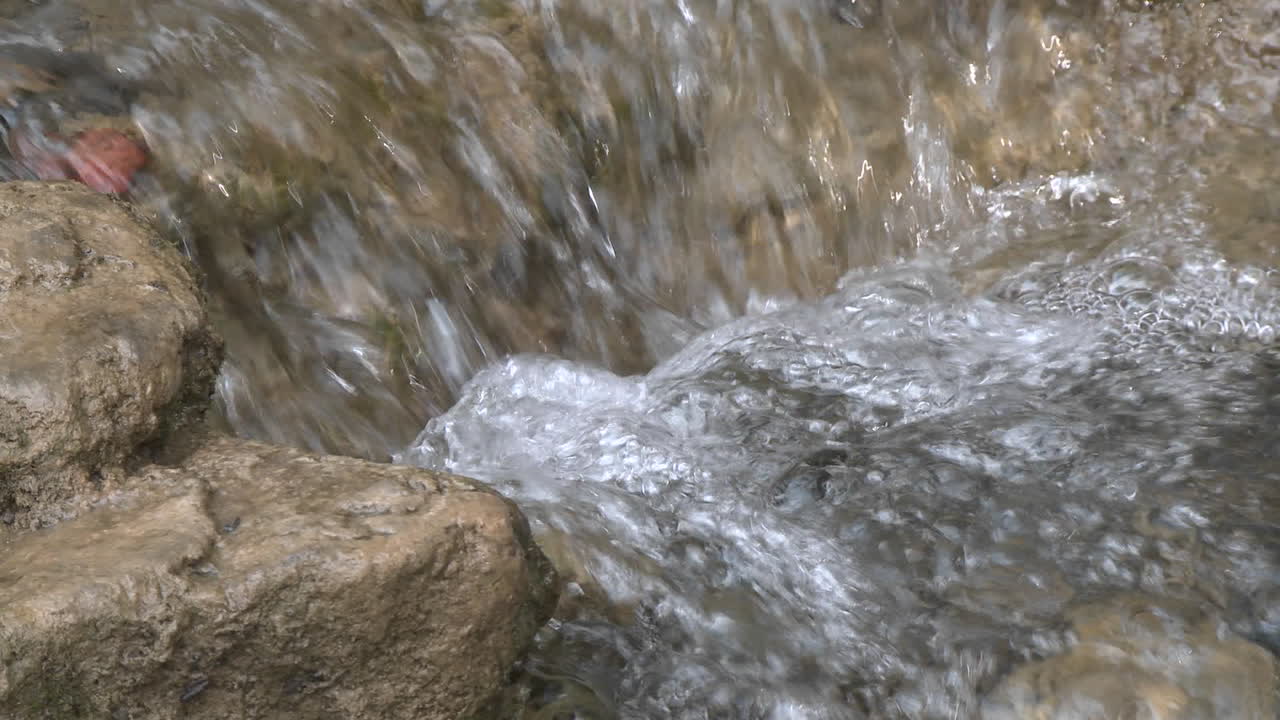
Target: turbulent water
[851,358]
[877,501]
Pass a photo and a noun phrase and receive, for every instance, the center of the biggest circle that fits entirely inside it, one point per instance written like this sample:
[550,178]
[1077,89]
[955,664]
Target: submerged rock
[63,117]
[1142,657]
[260,582]
[106,345]
[106,160]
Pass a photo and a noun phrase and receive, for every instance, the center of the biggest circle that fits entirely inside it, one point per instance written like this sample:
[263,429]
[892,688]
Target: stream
[850,358]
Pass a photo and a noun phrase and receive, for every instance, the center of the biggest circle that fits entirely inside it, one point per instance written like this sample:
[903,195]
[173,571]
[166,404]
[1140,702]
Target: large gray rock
[260,582]
[104,345]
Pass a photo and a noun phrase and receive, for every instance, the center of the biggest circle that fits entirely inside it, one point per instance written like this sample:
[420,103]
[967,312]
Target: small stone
[105,160]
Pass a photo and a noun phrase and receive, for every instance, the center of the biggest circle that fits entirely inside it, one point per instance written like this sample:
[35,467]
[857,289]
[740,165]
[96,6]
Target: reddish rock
[105,160]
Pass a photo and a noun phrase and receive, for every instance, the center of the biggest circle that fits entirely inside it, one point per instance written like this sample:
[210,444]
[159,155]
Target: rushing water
[852,358]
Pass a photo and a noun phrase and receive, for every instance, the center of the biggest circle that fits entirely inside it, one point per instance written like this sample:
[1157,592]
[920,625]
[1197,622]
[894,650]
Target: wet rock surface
[106,345]
[150,569]
[259,582]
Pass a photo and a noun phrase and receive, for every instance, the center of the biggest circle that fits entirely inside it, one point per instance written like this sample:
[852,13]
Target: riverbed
[851,358]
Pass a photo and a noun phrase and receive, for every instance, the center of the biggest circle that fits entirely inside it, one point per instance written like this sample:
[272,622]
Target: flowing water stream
[852,358]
